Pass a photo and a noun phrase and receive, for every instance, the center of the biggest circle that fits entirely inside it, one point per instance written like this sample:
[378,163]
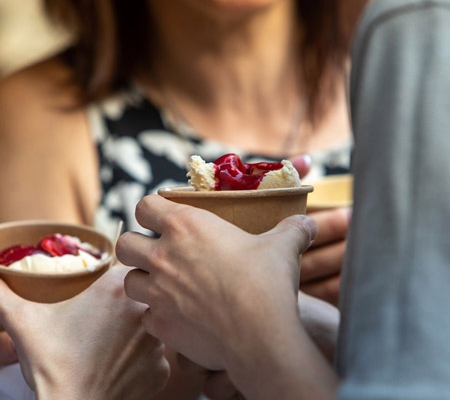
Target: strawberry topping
[58,245]
[17,252]
[55,245]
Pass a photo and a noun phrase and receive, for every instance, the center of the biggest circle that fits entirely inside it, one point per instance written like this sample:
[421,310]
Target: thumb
[297,230]
[10,301]
[9,304]
[8,354]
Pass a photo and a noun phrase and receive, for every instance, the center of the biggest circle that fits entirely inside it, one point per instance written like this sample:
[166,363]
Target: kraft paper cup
[331,192]
[255,211]
[51,288]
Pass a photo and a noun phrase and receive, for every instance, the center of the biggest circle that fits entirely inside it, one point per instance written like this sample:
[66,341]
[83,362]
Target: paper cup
[255,211]
[45,287]
[331,192]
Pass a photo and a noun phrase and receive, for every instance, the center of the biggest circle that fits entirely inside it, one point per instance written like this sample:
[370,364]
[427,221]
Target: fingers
[300,230]
[218,386]
[156,213]
[10,304]
[8,353]
[322,262]
[137,284]
[321,321]
[333,225]
[302,164]
[325,289]
[189,366]
[9,308]
[135,249]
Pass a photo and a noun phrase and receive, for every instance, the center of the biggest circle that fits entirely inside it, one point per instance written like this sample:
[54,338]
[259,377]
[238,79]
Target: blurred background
[26,35]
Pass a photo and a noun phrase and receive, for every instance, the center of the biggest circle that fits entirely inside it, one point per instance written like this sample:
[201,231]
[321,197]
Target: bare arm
[48,161]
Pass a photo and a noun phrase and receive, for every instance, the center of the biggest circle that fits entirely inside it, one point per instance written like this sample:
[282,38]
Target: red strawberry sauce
[53,246]
[232,173]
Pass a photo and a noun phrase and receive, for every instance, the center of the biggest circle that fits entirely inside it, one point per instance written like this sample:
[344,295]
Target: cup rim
[189,191]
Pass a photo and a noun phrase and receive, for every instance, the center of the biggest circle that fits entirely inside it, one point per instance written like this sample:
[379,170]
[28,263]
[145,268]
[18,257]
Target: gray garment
[395,332]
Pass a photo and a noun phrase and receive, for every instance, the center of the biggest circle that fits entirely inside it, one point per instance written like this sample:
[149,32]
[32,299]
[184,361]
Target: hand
[321,265]
[91,346]
[302,164]
[216,385]
[321,322]
[8,353]
[200,283]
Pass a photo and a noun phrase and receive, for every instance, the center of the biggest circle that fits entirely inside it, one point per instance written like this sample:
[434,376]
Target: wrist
[280,361]
[46,389]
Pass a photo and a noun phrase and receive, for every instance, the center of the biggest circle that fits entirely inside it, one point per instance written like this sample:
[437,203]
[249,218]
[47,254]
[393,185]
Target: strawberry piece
[17,252]
[58,245]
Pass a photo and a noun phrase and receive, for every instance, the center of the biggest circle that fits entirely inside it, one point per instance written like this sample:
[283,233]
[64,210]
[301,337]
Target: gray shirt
[395,331]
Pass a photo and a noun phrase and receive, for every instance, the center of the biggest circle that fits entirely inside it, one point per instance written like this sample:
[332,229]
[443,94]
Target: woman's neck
[231,73]
[209,54]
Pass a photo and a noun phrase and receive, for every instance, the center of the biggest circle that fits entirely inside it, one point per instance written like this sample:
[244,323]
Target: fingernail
[312,226]
[349,213]
[307,160]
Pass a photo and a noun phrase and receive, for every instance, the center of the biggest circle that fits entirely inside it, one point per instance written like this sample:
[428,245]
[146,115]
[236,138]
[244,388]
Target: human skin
[319,319]
[69,357]
[327,251]
[8,353]
[55,136]
[225,303]
[56,133]
[37,92]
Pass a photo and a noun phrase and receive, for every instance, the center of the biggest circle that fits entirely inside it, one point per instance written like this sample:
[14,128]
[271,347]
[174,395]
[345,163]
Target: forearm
[46,390]
[282,364]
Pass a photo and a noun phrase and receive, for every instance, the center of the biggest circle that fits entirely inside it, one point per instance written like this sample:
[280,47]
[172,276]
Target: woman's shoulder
[43,137]
[46,83]
[37,97]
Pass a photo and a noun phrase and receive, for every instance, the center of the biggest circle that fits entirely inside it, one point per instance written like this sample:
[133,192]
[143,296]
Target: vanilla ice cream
[44,264]
[53,254]
[230,173]
[281,178]
[201,174]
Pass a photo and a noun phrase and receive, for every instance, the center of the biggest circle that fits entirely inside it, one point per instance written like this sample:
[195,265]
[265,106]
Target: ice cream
[53,254]
[229,172]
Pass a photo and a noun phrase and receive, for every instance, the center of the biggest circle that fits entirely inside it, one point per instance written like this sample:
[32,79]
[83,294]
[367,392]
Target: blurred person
[88,133]
[147,85]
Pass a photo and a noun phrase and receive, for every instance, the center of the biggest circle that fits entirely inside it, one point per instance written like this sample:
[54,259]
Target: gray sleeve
[394,341]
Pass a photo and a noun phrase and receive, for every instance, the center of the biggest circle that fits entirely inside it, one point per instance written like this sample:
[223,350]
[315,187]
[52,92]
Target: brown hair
[109,46]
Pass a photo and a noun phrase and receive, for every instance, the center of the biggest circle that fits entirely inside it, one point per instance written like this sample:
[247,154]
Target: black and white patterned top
[141,149]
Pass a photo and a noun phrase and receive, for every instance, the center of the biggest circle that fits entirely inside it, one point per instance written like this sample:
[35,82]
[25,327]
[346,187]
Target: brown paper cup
[50,288]
[255,211]
[331,192]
